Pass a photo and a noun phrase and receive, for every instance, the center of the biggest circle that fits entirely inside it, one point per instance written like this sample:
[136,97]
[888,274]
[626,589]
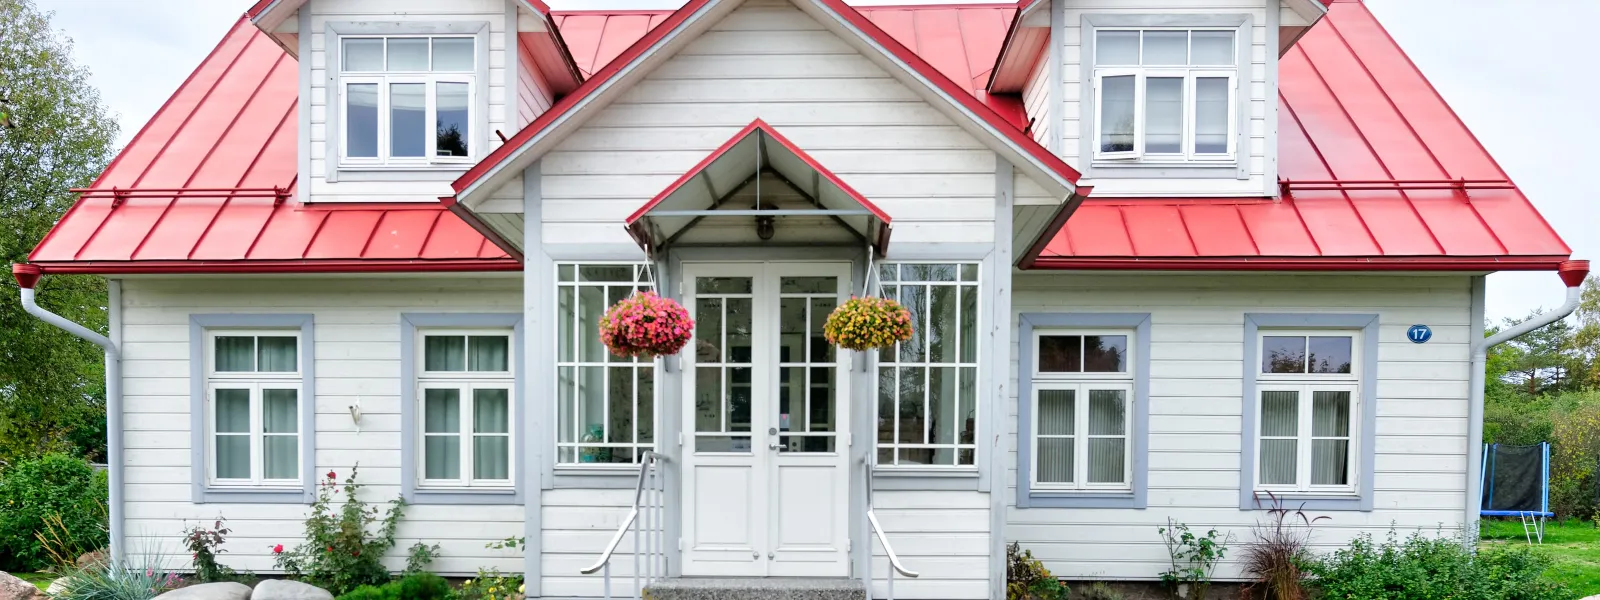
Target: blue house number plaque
[1419,334]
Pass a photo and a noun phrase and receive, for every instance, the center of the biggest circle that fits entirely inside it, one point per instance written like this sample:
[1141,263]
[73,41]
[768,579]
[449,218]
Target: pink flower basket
[645,324]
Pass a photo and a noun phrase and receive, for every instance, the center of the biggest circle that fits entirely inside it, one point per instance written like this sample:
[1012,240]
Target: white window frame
[431,79]
[1305,385]
[1189,73]
[977,366]
[1081,383]
[641,278]
[466,382]
[255,382]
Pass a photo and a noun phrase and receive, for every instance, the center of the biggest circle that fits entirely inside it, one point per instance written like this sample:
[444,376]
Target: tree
[1587,337]
[1541,361]
[54,135]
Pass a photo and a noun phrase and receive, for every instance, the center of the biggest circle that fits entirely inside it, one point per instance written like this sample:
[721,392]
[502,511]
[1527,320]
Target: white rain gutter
[1572,273]
[27,277]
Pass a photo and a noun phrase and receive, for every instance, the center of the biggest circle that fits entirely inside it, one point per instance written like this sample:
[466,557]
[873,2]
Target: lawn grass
[39,580]
[1573,545]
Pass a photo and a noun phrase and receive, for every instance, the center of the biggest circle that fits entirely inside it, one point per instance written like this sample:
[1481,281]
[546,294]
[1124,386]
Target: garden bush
[139,578]
[39,491]
[416,586]
[345,541]
[1422,567]
[1027,579]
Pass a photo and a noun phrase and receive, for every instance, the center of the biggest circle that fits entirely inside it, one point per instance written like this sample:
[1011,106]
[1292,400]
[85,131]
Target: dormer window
[1166,95]
[408,101]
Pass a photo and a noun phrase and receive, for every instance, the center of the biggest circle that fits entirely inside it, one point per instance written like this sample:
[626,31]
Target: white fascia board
[580,113]
[1310,10]
[951,107]
[529,19]
[276,13]
[1034,15]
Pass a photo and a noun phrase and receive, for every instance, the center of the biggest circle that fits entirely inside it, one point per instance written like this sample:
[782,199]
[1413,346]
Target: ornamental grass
[868,322]
[645,324]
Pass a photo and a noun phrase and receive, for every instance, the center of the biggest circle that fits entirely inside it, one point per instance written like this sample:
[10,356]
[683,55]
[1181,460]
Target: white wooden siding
[533,92]
[1253,82]
[577,526]
[770,61]
[943,536]
[1195,385]
[324,100]
[357,350]
[1036,101]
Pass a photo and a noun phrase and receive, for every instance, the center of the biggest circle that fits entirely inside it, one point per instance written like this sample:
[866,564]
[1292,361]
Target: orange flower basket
[868,322]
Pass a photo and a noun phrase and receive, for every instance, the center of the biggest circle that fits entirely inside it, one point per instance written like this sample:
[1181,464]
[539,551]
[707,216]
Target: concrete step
[756,588]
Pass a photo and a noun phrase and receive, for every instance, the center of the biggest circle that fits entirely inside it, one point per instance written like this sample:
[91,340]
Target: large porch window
[928,386]
[605,404]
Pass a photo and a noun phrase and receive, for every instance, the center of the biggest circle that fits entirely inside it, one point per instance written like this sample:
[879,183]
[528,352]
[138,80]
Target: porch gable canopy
[717,194]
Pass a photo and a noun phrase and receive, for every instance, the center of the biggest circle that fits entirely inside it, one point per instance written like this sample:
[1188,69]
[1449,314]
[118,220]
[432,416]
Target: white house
[1163,256]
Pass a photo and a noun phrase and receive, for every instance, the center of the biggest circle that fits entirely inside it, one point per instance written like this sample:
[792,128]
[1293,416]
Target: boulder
[12,588]
[56,587]
[283,589]
[89,559]
[209,591]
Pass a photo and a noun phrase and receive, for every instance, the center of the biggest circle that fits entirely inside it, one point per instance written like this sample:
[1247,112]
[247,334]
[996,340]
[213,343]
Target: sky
[1507,70]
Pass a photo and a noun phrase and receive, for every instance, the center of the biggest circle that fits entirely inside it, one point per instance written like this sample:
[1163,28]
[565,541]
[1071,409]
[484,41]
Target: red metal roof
[207,186]
[1377,171]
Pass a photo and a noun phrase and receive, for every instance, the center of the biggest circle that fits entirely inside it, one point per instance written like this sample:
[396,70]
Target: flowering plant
[646,325]
[868,322]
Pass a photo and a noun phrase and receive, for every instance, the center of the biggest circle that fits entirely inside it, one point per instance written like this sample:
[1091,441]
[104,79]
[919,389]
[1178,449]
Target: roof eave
[222,267]
[1304,263]
[1010,54]
[1310,10]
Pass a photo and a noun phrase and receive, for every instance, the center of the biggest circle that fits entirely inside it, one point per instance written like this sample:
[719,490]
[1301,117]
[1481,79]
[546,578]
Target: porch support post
[998,389]
[538,277]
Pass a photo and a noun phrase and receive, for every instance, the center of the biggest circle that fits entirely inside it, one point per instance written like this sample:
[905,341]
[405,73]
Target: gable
[768,60]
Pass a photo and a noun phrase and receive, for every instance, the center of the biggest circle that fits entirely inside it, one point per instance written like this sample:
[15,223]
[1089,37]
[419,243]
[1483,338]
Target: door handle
[774,446]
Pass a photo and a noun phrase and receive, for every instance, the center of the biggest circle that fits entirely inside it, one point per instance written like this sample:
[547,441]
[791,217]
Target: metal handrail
[653,523]
[877,529]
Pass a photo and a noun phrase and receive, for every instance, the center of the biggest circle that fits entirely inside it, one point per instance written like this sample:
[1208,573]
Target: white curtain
[1107,417]
[276,354]
[444,353]
[441,434]
[1330,446]
[281,439]
[489,353]
[1211,115]
[1163,115]
[233,433]
[1056,421]
[1280,417]
[235,354]
[491,414]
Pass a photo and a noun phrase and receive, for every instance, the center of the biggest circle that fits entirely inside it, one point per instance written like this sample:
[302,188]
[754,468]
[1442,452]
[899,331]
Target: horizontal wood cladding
[357,352]
[1195,385]
[768,60]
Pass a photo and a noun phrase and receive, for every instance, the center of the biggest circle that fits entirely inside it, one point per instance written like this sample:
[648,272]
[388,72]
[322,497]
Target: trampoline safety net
[1514,481]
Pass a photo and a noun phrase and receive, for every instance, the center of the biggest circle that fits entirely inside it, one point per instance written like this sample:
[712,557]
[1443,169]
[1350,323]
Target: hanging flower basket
[645,324]
[867,323]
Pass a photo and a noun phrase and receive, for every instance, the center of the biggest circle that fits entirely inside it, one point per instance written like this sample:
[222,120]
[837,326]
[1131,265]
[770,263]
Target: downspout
[27,277]
[1572,273]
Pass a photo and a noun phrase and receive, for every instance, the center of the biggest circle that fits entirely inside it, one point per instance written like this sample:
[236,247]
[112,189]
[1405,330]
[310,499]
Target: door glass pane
[233,411]
[722,443]
[708,330]
[1055,460]
[1116,48]
[235,354]
[441,410]
[408,123]
[1283,354]
[408,54]
[1056,415]
[1166,48]
[1280,413]
[276,354]
[1163,115]
[453,125]
[739,397]
[738,325]
[1060,354]
[489,353]
[808,285]
[723,285]
[1116,113]
[1329,354]
[444,353]
[708,401]
[1106,460]
[361,120]
[821,351]
[1211,115]
[491,410]
[822,408]
[791,411]
[453,54]
[1211,48]
[1105,353]
[279,412]
[363,54]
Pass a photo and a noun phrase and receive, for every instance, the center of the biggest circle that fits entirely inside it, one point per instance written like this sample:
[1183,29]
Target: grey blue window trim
[1137,495]
[409,323]
[1368,324]
[205,494]
[1238,169]
[480,121]
[904,480]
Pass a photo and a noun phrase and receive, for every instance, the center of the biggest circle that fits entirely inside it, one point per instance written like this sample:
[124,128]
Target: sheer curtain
[444,353]
[1211,115]
[1280,419]
[489,353]
[1107,436]
[441,434]
[234,354]
[276,354]
[233,433]
[1163,115]
[280,446]
[1055,436]
[491,440]
[1330,444]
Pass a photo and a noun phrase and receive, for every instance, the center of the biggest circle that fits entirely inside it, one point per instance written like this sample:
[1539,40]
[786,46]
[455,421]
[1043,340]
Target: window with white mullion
[605,403]
[406,100]
[1165,94]
[1305,442]
[927,386]
[1082,435]
[253,407]
[464,388]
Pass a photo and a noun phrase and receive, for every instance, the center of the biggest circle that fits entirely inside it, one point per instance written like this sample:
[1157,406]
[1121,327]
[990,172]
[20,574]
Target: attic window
[1166,94]
[407,100]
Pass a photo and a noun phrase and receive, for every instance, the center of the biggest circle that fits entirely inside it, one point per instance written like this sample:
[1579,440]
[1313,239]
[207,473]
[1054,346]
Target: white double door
[765,420]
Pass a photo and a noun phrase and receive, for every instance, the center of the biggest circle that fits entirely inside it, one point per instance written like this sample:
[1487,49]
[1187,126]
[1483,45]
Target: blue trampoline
[1516,483]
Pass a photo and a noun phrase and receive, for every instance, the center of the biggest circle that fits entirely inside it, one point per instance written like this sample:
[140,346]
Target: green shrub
[417,586]
[1429,568]
[139,578]
[35,491]
[341,551]
[1193,559]
[491,584]
[1027,579]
